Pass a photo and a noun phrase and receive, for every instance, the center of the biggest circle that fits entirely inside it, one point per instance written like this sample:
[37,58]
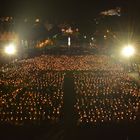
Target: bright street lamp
[10,49]
[128,51]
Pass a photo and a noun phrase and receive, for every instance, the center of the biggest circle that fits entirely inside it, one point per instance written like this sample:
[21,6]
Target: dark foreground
[58,132]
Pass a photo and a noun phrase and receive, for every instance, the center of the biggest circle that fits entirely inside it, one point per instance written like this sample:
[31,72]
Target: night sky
[80,12]
[64,9]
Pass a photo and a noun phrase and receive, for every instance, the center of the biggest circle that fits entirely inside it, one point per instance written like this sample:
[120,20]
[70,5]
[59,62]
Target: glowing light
[37,20]
[10,49]
[128,51]
[69,41]
[85,36]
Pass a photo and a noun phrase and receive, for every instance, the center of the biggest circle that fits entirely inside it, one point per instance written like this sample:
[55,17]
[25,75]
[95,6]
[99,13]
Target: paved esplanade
[69,101]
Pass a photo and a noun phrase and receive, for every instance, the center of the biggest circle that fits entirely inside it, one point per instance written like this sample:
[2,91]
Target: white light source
[69,41]
[128,51]
[10,49]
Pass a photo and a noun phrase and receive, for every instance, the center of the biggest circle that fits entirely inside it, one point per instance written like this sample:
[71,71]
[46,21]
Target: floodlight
[10,49]
[128,51]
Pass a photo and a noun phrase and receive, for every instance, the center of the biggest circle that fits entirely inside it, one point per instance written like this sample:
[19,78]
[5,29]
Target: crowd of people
[110,96]
[31,96]
[32,90]
[66,62]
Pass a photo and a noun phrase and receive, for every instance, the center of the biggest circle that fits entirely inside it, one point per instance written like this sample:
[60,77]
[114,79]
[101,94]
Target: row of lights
[127,51]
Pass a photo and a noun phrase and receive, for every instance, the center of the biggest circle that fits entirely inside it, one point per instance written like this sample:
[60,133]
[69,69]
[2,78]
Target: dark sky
[67,9]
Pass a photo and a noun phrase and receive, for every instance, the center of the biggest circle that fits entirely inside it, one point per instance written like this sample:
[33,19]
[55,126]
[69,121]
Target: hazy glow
[10,49]
[128,51]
